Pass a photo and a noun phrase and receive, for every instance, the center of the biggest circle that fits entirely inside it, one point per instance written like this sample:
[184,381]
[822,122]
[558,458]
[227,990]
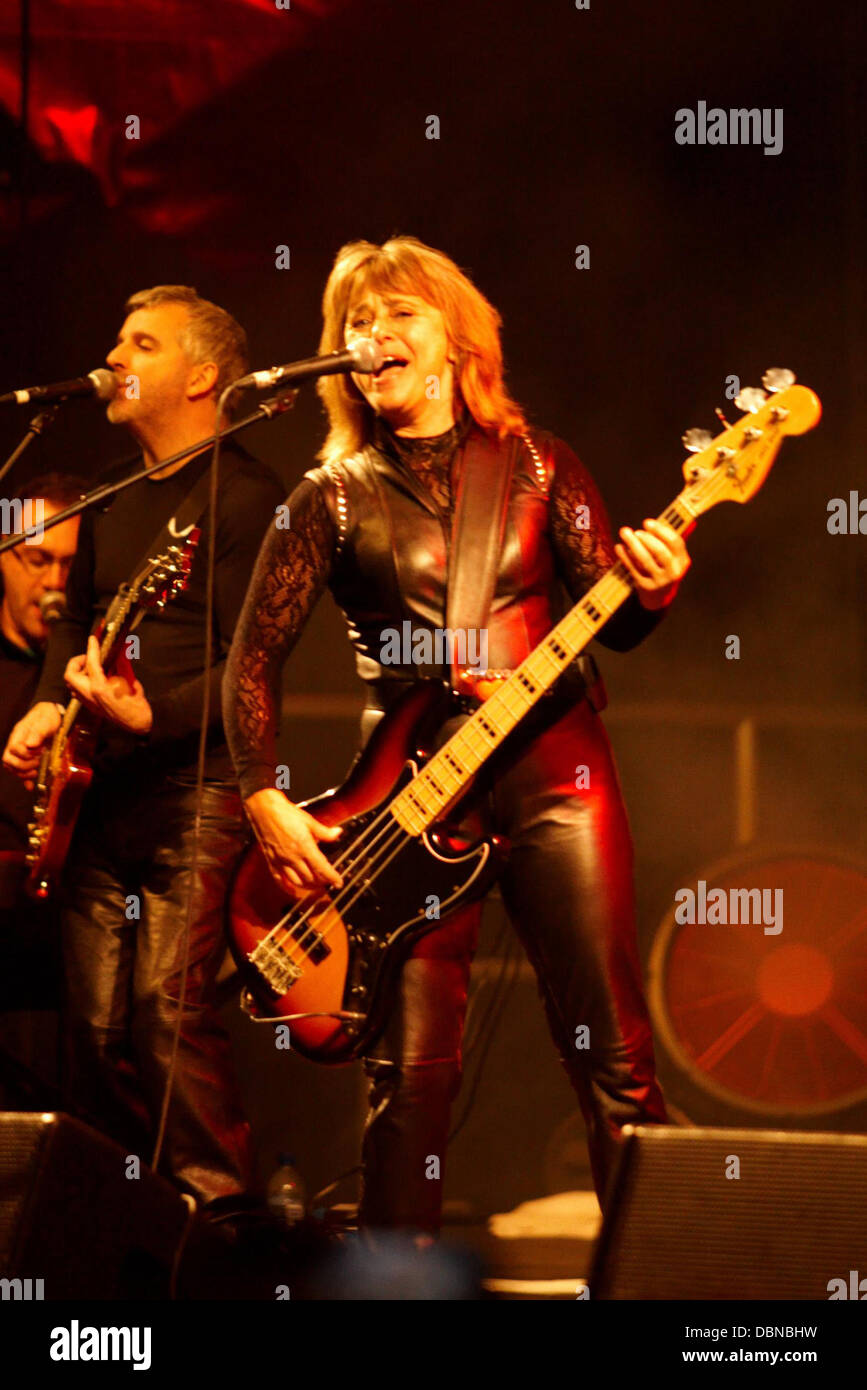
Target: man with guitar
[32,579]
[129,886]
[376,523]
[33,576]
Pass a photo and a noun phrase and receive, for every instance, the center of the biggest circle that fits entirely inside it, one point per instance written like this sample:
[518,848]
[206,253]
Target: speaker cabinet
[70,1216]
[733,1214]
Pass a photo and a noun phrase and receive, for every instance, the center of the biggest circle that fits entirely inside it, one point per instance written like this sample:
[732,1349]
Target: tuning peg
[751,399]
[695,441]
[778,378]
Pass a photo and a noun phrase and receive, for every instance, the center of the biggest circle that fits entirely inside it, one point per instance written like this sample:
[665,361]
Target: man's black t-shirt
[172,641]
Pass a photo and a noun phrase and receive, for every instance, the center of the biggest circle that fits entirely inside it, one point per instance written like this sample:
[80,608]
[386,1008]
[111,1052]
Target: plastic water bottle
[287,1197]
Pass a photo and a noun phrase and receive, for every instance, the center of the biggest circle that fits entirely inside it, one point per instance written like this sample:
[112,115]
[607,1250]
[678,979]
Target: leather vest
[391,563]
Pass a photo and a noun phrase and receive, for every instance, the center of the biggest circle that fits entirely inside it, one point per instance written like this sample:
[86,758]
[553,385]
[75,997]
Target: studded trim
[342,501]
[538,465]
[342,504]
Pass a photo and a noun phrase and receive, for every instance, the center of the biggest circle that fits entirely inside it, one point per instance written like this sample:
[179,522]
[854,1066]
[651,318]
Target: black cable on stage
[491,1017]
[329,1187]
[200,768]
[499,996]
[490,1021]
[471,1035]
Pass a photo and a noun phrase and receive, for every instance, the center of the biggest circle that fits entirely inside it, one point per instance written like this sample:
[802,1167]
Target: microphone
[101,383]
[364,356]
[52,605]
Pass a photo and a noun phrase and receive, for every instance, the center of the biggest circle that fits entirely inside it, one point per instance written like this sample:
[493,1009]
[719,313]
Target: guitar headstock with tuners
[732,466]
[166,575]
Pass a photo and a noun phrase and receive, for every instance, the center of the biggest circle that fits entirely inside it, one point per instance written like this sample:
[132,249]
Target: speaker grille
[678,1227]
[70,1215]
[21,1143]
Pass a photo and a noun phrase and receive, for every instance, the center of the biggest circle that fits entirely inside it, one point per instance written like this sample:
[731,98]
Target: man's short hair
[210,334]
[58,489]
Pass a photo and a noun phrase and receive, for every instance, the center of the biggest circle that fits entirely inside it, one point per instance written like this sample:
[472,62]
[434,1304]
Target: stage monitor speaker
[733,1214]
[71,1217]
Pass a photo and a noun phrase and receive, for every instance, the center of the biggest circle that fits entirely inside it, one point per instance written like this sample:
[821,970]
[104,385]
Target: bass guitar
[66,767]
[326,963]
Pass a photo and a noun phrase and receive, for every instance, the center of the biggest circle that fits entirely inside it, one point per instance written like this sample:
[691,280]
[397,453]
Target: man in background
[134,905]
[33,576]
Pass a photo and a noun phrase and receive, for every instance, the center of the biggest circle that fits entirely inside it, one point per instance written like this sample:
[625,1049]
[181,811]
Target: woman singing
[373,523]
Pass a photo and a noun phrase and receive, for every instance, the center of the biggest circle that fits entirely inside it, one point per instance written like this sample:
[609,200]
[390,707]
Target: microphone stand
[36,426]
[265,410]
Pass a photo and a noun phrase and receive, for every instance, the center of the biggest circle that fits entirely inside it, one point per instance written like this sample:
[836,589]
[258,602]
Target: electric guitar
[326,964]
[66,766]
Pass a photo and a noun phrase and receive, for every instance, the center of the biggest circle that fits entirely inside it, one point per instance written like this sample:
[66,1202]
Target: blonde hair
[405,265]
[210,334]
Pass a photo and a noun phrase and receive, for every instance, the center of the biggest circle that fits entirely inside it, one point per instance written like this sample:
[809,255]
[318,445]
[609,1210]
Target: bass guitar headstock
[732,466]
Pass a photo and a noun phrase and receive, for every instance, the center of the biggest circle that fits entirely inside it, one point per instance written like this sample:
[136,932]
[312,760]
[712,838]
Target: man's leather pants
[568,889]
[123,927]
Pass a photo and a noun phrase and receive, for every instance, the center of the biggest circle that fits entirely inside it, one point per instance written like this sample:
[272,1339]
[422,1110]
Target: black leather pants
[568,889]
[124,913]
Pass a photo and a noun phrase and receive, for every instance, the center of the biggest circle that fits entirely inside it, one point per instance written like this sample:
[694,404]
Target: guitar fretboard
[112,630]
[450,771]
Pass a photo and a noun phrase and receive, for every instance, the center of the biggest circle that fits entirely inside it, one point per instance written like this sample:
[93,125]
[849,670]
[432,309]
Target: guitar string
[277,935]
[296,946]
[359,847]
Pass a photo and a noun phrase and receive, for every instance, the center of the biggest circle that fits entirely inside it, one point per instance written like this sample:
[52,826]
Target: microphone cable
[200,768]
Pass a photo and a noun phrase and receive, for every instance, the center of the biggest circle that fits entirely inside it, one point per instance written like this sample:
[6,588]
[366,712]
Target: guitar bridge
[275,966]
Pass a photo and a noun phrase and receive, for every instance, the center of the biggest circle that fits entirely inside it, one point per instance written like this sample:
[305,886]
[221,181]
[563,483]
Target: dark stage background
[306,128]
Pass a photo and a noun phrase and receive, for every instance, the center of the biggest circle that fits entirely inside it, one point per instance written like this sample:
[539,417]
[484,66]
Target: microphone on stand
[52,605]
[100,383]
[364,356]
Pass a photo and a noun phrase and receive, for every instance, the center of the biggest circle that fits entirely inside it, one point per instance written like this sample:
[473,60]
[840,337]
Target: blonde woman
[373,524]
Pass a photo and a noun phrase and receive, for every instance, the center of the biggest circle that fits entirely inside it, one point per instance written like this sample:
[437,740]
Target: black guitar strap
[477,533]
[178,527]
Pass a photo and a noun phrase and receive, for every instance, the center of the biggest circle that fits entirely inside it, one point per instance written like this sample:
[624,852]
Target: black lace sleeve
[584,547]
[292,569]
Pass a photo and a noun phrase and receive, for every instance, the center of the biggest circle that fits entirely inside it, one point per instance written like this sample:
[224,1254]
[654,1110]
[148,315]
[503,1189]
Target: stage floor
[540,1250]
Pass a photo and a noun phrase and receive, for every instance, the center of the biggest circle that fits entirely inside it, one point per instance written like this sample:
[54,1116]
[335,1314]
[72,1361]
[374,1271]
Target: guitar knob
[751,399]
[696,441]
[778,379]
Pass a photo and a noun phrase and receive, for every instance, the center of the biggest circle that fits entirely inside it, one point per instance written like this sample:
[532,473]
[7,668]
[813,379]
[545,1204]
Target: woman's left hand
[657,559]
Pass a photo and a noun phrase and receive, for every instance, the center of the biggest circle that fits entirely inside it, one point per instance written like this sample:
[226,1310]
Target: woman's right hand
[289,838]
